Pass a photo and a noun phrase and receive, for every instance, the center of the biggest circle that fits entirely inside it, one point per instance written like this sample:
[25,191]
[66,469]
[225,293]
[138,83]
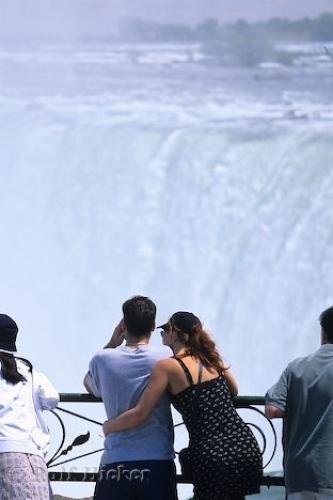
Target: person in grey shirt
[136,464]
[303,397]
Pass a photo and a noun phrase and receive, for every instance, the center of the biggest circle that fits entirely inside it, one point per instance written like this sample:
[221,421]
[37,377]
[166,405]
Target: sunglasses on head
[165,330]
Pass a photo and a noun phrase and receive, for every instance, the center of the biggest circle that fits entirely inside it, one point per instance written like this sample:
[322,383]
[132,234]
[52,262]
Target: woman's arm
[157,385]
[231,381]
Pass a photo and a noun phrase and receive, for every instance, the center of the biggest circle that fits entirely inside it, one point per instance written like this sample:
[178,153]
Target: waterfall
[208,191]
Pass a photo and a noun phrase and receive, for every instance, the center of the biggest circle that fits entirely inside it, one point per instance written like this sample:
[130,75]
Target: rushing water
[150,171]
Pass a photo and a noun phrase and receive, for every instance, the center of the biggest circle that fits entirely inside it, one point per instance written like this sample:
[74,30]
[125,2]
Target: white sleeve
[46,394]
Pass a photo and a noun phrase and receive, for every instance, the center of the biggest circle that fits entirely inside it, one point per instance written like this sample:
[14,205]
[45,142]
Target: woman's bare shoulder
[168,364]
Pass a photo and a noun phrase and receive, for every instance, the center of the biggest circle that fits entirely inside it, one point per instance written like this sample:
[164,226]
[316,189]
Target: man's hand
[118,336]
[273,412]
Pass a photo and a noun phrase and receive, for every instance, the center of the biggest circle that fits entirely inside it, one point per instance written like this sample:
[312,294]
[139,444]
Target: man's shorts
[139,480]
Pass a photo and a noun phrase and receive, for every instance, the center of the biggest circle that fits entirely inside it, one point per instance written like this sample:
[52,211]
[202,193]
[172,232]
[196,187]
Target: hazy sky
[102,16]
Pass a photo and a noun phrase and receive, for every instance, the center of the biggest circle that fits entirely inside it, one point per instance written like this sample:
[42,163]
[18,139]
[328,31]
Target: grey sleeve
[92,378]
[277,394]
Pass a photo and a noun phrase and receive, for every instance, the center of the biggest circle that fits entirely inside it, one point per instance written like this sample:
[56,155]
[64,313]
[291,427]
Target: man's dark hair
[326,322]
[139,315]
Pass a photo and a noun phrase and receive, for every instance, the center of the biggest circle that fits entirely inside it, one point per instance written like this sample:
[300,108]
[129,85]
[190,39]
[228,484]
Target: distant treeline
[276,29]
[240,43]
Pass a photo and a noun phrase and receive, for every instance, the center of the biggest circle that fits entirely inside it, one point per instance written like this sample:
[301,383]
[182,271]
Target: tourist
[303,397]
[136,464]
[223,458]
[24,437]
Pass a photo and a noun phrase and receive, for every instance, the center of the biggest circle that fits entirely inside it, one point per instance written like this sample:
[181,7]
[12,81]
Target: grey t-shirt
[305,393]
[119,377]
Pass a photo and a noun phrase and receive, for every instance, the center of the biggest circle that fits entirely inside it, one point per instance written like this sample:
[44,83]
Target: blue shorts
[139,480]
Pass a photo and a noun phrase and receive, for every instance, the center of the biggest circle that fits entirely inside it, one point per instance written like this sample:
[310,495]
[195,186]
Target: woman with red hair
[223,458]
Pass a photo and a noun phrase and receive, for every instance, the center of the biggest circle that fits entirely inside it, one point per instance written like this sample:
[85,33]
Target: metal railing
[58,457]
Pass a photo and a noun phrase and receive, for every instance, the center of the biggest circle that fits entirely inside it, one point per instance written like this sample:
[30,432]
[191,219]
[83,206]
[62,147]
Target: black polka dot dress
[225,458]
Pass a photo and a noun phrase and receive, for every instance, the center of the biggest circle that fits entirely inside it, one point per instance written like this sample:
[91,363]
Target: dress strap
[200,372]
[186,370]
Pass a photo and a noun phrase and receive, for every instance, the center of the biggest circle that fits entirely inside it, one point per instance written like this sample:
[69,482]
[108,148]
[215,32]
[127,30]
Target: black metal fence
[59,457]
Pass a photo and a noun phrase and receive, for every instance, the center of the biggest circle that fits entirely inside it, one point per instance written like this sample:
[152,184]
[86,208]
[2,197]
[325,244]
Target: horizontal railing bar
[73,397]
[244,401]
[91,477]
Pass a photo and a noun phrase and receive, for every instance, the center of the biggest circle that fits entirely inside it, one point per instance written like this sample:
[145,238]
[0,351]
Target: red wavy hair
[200,345]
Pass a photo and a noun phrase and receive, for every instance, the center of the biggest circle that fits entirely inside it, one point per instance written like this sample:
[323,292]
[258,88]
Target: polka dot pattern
[224,454]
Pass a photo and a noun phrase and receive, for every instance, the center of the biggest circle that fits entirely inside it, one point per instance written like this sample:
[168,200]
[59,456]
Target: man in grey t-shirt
[303,396]
[137,464]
